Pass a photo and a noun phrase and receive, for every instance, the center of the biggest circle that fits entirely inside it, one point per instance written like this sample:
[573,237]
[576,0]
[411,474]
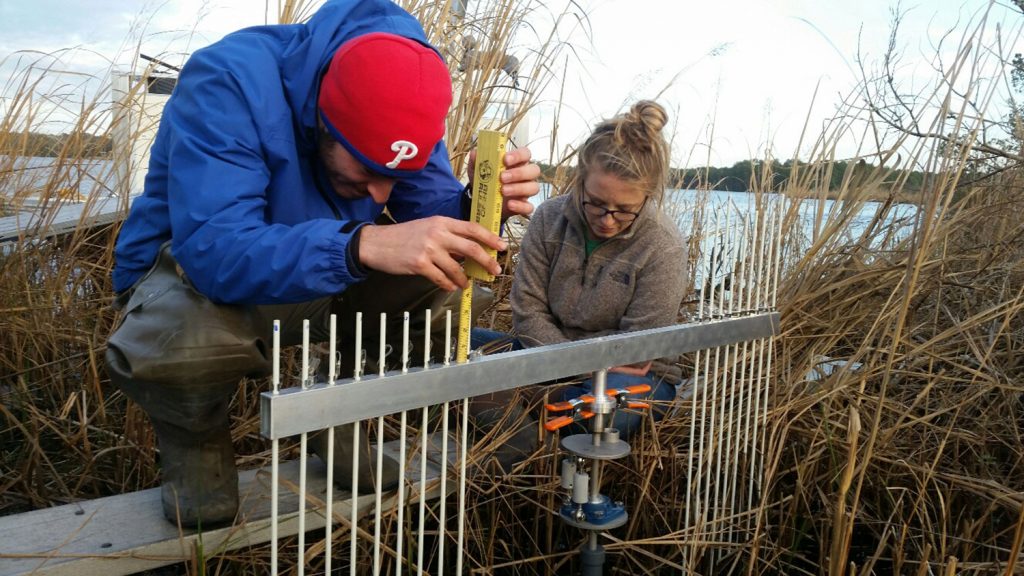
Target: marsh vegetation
[912,463]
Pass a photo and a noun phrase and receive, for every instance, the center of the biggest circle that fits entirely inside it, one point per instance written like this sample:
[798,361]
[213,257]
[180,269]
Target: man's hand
[633,369]
[429,247]
[518,181]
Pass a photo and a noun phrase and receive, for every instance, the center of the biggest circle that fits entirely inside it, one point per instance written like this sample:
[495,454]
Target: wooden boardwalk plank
[127,533]
[61,220]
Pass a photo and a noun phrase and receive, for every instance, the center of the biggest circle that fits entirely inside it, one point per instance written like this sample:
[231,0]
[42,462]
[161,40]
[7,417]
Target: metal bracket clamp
[585,507]
[603,405]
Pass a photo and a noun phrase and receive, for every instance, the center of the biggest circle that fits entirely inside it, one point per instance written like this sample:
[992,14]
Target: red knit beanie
[385,98]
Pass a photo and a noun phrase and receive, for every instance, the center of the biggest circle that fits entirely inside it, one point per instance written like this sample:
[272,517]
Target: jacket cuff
[467,201]
[355,267]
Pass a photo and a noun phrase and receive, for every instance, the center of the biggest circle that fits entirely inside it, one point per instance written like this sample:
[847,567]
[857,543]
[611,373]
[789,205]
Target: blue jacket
[234,178]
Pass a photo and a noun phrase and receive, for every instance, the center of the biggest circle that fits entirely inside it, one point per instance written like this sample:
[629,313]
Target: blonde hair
[631,147]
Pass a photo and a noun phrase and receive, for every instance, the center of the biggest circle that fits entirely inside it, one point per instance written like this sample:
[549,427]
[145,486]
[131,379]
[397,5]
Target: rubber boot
[500,421]
[200,481]
[343,436]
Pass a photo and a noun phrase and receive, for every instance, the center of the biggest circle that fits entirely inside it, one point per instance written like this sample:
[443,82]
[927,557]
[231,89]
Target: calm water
[34,174]
[739,208]
[93,177]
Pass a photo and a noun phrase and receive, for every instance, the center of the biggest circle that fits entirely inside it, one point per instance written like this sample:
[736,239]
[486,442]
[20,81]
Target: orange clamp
[588,398]
[569,404]
[634,389]
[556,423]
[563,421]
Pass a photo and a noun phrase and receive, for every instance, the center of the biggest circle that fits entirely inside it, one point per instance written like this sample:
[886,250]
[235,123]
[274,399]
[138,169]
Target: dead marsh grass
[911,463]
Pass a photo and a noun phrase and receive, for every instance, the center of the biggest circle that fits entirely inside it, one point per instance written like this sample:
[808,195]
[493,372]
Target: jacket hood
[309,50]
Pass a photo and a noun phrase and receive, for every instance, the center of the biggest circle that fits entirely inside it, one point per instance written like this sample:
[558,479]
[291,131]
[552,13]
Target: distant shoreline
[868,195]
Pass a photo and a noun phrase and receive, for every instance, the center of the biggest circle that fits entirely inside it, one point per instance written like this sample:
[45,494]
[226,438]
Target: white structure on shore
[138,101]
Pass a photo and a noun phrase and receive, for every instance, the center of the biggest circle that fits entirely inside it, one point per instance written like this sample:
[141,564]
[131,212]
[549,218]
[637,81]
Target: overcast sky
[749,68]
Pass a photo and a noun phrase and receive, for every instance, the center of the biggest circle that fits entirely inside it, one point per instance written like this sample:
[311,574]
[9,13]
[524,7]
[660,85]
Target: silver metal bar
[304,381]
[461,517]
[687,513]
[400,532]
[712,446]
[329,512]
[728,397]
[356,426]
[381,360]
[597,427]
[721,447]
[756,446]
[709,441]
[424,423]
[275,449]
[700,509]
[743,405]
[443,513]
[294,411]
[462,352]
[733,451]
[693,510]
[442,516]
[776,257]
[719,399]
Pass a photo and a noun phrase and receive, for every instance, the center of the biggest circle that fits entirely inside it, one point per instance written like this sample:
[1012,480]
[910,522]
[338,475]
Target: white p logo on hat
[406,150]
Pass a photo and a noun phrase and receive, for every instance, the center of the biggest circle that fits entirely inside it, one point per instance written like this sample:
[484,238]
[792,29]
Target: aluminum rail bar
[296,410]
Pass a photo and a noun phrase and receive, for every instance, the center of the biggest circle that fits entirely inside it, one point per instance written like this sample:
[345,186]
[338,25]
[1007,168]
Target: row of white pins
[328,512]
[729,405]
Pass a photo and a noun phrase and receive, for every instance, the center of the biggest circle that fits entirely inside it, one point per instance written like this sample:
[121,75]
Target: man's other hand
[633,369]
[518,181]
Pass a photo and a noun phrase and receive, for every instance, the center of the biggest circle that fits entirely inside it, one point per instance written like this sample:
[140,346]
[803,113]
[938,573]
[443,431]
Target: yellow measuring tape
[486,211]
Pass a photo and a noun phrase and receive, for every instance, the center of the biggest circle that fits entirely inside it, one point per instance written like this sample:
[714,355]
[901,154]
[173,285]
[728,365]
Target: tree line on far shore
[41,144]
[749,175]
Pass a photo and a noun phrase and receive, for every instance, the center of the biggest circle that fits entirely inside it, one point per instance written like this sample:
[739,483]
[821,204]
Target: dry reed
[906,460]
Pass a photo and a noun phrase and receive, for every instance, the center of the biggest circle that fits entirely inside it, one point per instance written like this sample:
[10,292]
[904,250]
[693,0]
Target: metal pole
[592,557]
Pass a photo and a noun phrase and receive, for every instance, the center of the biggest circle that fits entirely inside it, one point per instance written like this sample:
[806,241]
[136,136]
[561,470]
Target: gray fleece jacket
[633,281]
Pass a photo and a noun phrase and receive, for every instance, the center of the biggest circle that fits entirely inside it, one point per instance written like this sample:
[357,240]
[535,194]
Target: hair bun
[650,114]
[631,147]
[640,128]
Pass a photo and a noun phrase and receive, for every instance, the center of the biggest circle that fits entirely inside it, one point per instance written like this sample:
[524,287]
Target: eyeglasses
[599,212]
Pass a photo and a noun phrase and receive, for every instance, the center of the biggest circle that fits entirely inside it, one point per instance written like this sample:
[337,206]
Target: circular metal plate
[582,445]
[615,523]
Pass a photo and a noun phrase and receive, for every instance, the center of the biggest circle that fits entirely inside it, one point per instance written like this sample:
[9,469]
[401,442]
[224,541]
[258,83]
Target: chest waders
[180,357]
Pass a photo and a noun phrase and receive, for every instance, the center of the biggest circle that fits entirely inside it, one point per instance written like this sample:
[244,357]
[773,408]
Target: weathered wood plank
[30,225]
[127,533]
